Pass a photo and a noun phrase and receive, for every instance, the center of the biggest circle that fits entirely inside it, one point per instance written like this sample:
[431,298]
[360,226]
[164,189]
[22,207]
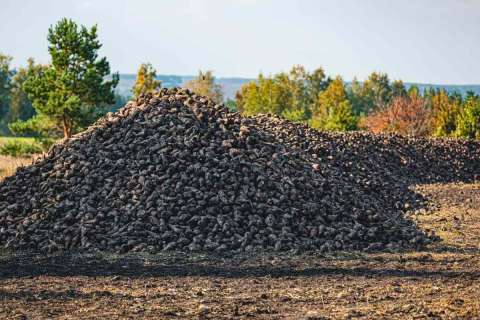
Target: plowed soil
[440,282]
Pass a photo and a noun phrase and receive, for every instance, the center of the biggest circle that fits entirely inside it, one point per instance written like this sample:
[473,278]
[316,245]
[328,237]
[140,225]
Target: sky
[426,41]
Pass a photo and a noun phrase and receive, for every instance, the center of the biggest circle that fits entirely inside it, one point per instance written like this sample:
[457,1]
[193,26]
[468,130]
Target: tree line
[77,87]
[377,104]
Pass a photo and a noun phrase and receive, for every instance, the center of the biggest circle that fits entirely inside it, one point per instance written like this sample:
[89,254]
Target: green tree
[231,105]
[444,113]
[335,112]
[204,85]
[373,94]
[413,91]
[5,83]
[458,98]
[244,95]
[292,95]
[398,89]
[316,82]
[468,121]
[354,96]
[378,89]
[146,80]
[71,93]
[304,88]
[266,95]
[20,106]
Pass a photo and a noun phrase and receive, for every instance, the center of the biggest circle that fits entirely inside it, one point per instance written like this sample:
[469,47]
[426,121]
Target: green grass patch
[19,146]
[4,140]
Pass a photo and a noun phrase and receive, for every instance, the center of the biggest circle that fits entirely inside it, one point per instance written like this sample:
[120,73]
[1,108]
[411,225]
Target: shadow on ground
[405,264]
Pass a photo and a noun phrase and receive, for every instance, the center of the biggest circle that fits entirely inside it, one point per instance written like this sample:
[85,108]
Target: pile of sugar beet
[174,171]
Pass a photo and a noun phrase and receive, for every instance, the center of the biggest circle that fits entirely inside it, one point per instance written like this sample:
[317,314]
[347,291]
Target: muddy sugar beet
[174,171]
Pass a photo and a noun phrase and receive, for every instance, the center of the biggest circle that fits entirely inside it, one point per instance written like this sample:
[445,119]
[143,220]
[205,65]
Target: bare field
[440,282]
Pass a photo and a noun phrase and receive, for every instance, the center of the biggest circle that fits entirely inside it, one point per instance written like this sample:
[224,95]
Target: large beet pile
[174,171]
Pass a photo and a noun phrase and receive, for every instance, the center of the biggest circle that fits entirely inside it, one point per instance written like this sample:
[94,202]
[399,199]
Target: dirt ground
[440,282]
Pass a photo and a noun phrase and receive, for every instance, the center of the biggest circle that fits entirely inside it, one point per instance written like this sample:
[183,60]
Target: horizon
[254,78]
[408,40]
[231,85]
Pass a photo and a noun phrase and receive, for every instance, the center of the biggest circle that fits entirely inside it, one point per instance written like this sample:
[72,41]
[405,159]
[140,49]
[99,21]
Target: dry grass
[8,165]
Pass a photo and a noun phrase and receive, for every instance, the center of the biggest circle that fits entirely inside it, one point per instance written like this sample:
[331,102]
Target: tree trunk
[67,128]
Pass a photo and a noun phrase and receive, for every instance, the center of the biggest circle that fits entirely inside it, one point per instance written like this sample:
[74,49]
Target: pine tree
[378,90]
[398,89]
[71,92]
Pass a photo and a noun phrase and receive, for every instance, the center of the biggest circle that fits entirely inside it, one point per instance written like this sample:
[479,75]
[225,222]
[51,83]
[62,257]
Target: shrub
[404,115]
[468,121]
[16,148]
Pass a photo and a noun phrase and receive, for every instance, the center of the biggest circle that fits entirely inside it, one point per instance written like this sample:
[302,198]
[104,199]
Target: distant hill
[450,88]
[231,85]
